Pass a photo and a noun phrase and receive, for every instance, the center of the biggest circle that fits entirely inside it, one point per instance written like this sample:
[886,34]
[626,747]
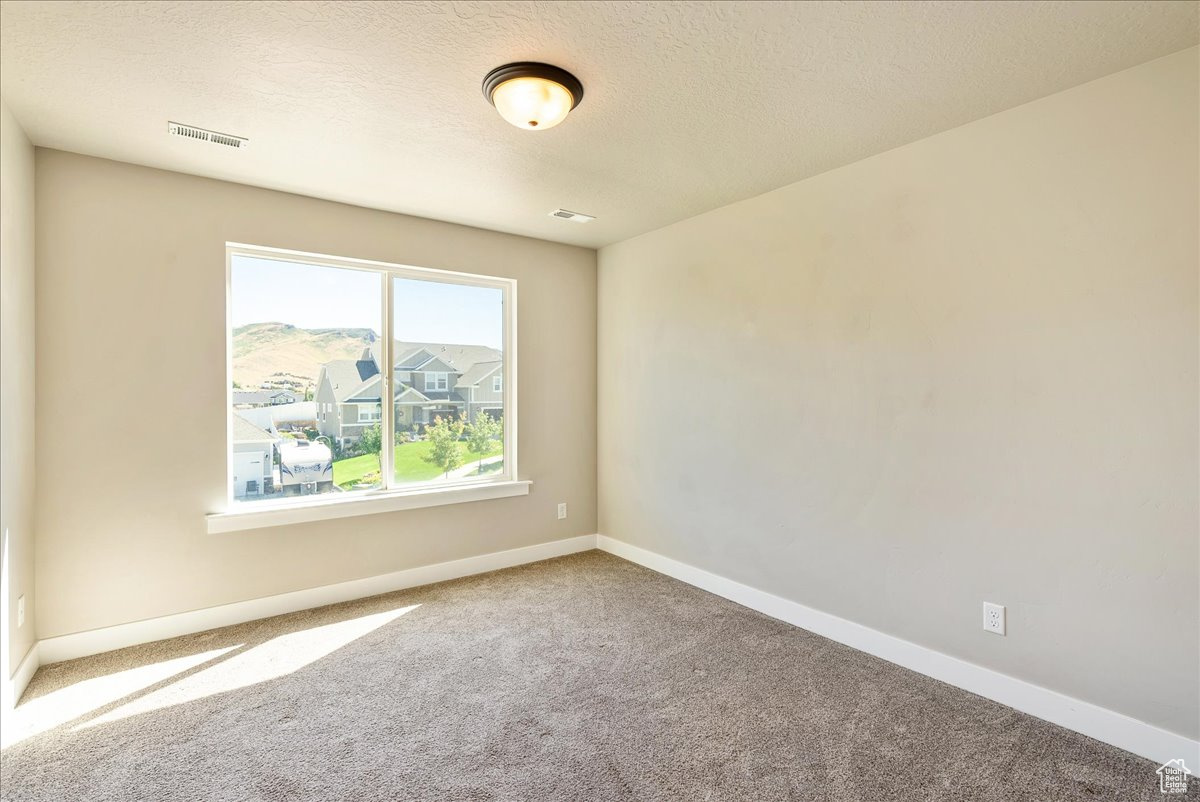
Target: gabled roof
[346,376]
[436,365]
[358,380]
[458,357]
[368,391]
[478,372]
[246,432]
[451,397]
[410,394]
[407,359]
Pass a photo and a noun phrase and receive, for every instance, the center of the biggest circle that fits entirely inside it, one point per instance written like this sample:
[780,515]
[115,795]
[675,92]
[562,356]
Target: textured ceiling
[689,106]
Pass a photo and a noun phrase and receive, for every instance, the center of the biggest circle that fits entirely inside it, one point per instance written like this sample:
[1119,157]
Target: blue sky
[319,297]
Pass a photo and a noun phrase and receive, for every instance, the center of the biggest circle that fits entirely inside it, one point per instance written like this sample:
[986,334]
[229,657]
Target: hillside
[281,355]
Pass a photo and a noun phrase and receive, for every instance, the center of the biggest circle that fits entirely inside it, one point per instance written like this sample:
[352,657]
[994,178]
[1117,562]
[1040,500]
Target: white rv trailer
[305,467]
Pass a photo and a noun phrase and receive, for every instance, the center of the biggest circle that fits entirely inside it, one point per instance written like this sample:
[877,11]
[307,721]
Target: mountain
[281,355]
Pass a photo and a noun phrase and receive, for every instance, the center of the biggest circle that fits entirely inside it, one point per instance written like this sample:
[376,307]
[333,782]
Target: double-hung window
[344,334]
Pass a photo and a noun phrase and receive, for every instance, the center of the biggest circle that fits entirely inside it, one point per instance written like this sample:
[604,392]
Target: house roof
[358,380]
[260,396]
[368,391]
[408,358]
[416,396]
[460,357]
[346,376]
[450,397]
[478,372]
[246,432]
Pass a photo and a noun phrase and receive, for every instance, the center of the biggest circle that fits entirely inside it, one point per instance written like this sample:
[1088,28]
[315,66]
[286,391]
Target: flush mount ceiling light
[532,95]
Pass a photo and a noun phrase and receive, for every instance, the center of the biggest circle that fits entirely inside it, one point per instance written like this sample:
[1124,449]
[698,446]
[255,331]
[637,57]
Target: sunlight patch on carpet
[273,659]
[66,704]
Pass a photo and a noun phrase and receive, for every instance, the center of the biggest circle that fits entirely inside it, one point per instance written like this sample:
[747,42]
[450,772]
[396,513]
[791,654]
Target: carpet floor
[580,679]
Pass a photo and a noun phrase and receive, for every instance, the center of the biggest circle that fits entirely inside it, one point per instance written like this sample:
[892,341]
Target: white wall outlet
[20,611]
[562,510]
[993,617]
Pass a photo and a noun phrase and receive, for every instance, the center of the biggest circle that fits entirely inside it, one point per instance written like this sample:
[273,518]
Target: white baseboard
[1091,720]
[95,641]
[15,685]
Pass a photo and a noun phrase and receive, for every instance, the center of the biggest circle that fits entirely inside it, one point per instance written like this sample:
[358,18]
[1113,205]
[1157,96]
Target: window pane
[306,380]
[449,413]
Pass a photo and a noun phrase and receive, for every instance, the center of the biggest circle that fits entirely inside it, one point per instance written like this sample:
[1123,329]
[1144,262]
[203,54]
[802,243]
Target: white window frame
[498,383]
[374,414]
[240,515]
[441,382]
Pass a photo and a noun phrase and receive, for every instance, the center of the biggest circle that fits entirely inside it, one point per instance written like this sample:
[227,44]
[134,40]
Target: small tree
[480,435]
[443,444]
[371,440]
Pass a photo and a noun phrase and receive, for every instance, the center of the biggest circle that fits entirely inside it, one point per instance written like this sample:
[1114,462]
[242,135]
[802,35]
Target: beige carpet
[578,679]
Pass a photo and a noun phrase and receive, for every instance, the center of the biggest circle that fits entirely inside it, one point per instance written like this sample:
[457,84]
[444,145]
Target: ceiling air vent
[204,135]
[564,214]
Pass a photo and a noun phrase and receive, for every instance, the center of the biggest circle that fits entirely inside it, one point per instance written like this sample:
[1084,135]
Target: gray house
[263,397]
[430,380]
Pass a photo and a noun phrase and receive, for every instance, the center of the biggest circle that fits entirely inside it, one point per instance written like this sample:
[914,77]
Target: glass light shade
[532,103]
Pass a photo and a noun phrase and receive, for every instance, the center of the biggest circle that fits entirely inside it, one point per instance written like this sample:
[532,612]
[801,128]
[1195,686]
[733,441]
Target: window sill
[266,513]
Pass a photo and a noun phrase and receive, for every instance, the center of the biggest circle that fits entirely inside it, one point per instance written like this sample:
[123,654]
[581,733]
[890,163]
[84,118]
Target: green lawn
[409,462]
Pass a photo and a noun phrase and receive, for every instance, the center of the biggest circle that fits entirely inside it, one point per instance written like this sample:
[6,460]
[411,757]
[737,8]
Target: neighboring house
[253,458]
[429,380]
[263,397]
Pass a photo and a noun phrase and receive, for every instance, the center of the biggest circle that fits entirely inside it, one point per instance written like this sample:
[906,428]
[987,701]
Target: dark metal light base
[533,69]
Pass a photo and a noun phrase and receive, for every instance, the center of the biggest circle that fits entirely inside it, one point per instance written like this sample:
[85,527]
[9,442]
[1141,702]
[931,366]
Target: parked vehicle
[305,467]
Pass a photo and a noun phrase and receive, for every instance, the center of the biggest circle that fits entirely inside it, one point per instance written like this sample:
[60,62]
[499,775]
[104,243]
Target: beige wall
[131,305]
[16,382]
[967,372]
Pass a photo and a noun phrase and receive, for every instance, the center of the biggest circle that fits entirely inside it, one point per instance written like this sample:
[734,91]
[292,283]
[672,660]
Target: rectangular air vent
[564,214]
[204,135]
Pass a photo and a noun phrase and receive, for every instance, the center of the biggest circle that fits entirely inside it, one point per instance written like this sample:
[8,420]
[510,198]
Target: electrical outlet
[20,611]
[562,510]
[993,617]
